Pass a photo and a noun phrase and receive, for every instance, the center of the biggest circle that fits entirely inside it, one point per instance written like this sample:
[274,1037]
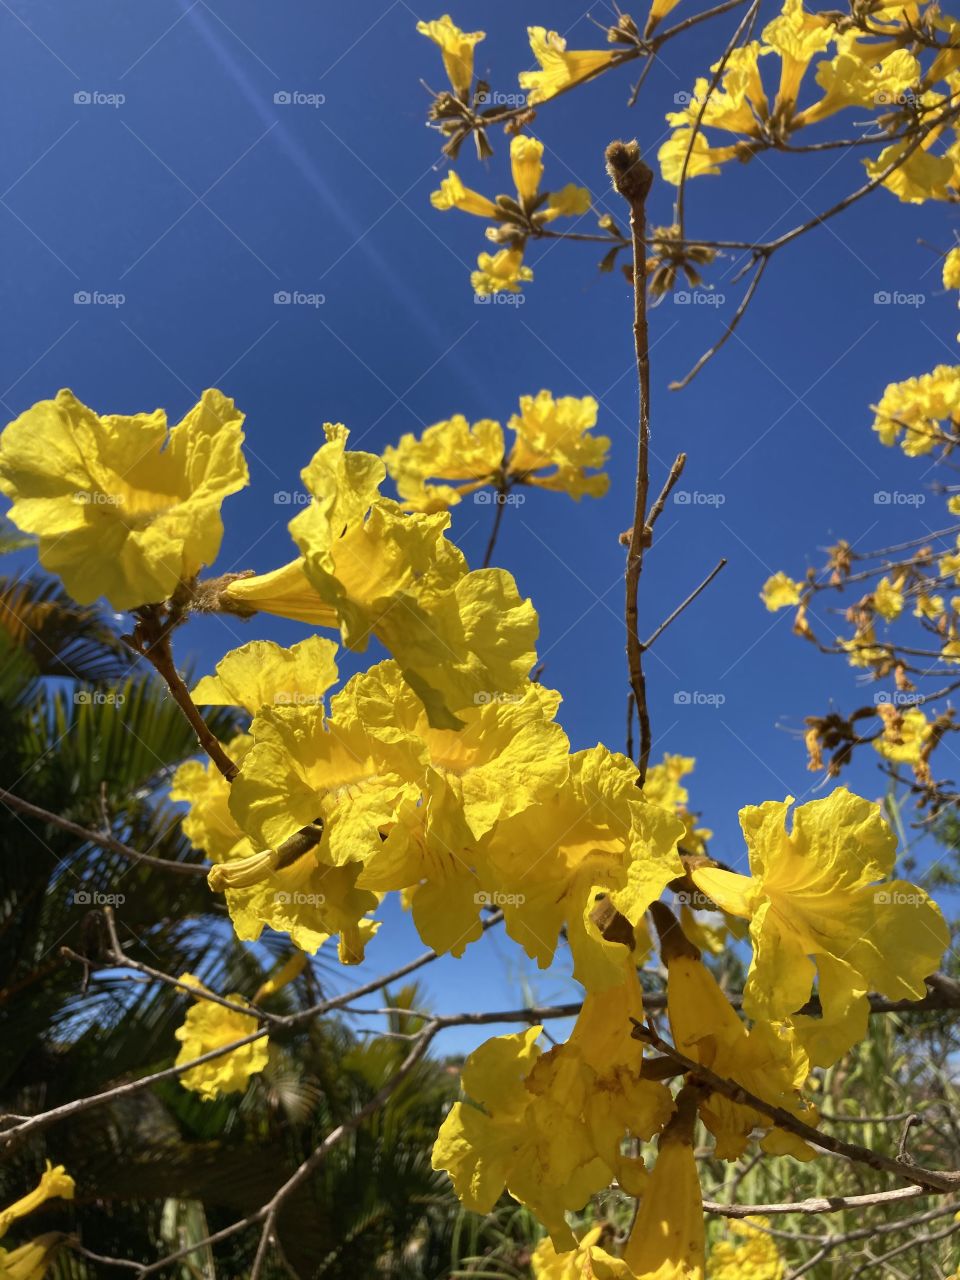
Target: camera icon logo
[282,98]
[82,98]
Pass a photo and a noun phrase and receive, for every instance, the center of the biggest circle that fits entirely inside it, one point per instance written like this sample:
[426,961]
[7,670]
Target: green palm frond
[63,638]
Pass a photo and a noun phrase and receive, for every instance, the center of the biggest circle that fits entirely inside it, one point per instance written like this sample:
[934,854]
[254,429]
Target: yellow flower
[531,207]
[311,902]
[263,674]
[863,648]
[526,165]
[862,74]
[667,1241]
[550,434]
[658,11]
[31,1261]
[950,565]
[55,1183]
[596,837]
[569,202]
[284,592]
[920,177]
[457,47]
[588,1260]
[904,734]
[209,825]
[917,407]
[815,906]
[304,769]
[560,69]
[291,969]
[454,195]
[752,1254]
[550,1127]
[663,783]
[122,507]
[509,757]
[555,433]
[372,570]
[797,36]
[951,270]
[780,591]
[766,1061]
[452,450]
[209,1026]
[704,159]
[888,600]
[928,606]
[501,272]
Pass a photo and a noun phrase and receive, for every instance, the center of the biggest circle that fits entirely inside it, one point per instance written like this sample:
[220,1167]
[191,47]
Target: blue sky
[198,197]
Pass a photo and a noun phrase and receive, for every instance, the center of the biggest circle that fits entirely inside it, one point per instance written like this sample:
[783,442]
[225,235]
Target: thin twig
[763,259]
[101,838]
[680,607]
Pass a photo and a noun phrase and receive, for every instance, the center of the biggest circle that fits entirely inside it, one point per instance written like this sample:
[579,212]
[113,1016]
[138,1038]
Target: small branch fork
[931,1180]
[151,640]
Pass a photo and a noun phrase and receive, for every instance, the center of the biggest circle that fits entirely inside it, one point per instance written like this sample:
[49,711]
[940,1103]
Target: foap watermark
[296,698]
[684,98]
[491,98]
[295,898]
[502,299]
[696,900]
[94,898]
[298,298]
[492,497]
[485,696]
[897,298]
[292,498]
[298,98]
[884,98]
[98,698]
[97,98]
[696,698]
[694,498]
[897,698]
[98,298]
[897,498]
[94,498]
[494,898]
[897,898]
[699,298]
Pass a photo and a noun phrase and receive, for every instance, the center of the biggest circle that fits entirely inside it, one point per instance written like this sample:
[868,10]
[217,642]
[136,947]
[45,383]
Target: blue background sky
[198,198]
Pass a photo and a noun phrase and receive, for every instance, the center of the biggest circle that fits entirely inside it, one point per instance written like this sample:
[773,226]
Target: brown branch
[151,640]
[101,838]
[816,1204]
[763,259]
[931,1179]
[633,179]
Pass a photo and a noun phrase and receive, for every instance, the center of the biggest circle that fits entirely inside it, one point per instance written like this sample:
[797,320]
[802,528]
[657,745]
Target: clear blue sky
[199,197]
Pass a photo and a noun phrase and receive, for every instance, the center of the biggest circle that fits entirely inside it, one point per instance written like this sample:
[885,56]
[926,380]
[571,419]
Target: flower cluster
[514,218]
[552,449]
[873,66]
